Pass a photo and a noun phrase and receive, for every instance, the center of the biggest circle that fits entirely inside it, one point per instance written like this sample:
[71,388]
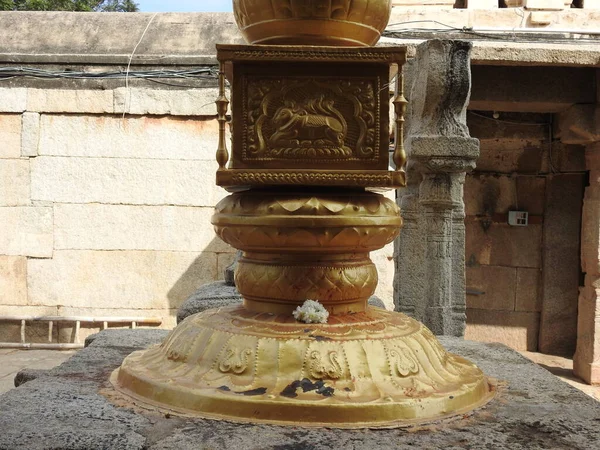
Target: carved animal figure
[315,120]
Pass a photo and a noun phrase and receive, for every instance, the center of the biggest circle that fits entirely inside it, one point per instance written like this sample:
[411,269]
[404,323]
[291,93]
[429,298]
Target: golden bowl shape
[312,22]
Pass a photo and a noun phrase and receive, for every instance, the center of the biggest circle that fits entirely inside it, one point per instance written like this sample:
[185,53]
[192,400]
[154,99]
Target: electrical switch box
[518,218]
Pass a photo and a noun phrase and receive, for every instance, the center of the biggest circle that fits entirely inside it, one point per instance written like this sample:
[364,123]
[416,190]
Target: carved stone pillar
[586,362]
[440,152]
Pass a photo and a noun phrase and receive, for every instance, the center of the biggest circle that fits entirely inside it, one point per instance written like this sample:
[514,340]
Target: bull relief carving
[322,119]
[311,127]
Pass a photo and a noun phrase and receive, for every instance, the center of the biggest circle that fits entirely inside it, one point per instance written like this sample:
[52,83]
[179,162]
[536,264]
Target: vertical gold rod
[399,109]
[222,102]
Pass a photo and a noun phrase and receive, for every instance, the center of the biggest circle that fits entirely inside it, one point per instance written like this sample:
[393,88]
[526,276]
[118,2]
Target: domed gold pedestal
[366,367]
[369,369]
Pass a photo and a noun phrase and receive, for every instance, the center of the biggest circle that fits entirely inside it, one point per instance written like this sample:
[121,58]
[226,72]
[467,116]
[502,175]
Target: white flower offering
[311,311]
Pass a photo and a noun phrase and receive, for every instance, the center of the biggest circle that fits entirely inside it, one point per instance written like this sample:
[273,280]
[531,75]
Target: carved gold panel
[308,115]
[290,117]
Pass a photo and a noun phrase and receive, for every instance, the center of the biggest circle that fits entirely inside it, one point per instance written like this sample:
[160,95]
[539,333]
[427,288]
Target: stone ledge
[535,409]
[190,38]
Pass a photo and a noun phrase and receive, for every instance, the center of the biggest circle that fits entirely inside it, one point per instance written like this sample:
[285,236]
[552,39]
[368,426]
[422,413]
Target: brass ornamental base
[366,367]
[369,369]
[310,134]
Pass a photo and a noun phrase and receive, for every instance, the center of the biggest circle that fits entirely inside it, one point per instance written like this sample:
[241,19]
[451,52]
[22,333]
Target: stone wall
[522,282]
[106,214]
[102,213]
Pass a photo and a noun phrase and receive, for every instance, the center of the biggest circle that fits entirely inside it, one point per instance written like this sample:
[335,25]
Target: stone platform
[66,408]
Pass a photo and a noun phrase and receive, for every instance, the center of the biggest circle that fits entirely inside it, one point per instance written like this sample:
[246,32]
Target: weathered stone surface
[545,5]
[518,330]
[528,290]
[10,135]
[14,182]
[129,137]
[30,137]
[542,17]
[188,102]
[493,194]
[440,151]
[586,361]
[384,261]
[209,296]
[124,181]
[580,124]
[64,407]
[530,89]
[13,280]
[28,310]
[227,264]
[494,285]
[512,155]
[26,375]
[561,266]
[482,4]
[27,231]
[70,101]
[123,227]
[499,244]
[13,100]
[118,279]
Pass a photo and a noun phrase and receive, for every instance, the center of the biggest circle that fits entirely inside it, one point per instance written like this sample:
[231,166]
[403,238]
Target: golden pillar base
[366,367]
[369,369]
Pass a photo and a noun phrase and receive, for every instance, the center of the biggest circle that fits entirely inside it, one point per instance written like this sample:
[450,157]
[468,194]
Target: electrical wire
[207,72]
[506,36]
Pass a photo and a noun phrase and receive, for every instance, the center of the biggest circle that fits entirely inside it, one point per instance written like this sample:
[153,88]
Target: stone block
[10,135]
[518,330]
[129,137]
[494,194]
[498,244]
[561,263]
[528,296]
[14,182]
[586,361]
[124,181]
[224,260]
[511,155]
[26,231]
[542,17]
[568,157]
[533,89]
[189,102]
[13,280]
[118,279]
[124,227]
[531,194]
[13,100]
[70,101]
[30,137]
[167,315]
[580,124]
[384,261]
[492,287]
[482,4]
[545,5]
[590,4]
